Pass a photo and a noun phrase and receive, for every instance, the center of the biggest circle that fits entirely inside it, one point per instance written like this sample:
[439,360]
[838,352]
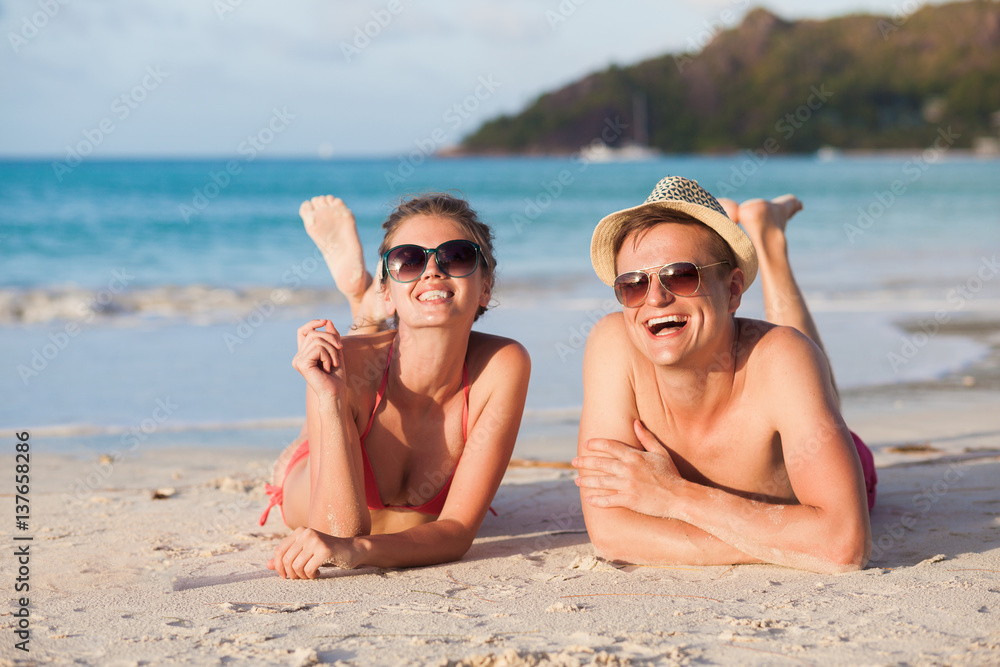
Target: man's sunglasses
[456,259]
[678,278]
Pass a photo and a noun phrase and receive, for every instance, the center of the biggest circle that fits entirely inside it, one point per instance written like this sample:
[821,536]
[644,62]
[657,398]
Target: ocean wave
[205,304]
[77,430]
[202,302]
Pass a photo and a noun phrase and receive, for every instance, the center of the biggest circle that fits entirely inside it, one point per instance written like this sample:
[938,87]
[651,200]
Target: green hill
[855,82]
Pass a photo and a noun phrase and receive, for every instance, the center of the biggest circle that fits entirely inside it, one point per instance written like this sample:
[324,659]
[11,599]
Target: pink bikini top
[435,504]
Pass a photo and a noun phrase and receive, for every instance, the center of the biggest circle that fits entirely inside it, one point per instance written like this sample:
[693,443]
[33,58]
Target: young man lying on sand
[707,438]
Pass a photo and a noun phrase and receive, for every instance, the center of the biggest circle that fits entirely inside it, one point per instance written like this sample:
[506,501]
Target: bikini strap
[380,394]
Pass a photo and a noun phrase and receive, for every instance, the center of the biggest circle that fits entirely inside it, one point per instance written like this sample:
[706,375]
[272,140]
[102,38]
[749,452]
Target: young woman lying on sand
[409,430]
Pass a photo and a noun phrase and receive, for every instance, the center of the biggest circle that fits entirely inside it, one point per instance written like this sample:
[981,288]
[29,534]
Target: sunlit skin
[416,439]
[456,309]
[331,226]
[709,328]
[719,441]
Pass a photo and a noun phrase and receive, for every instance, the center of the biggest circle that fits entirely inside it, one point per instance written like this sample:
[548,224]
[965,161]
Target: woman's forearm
[337,495]
[441,541]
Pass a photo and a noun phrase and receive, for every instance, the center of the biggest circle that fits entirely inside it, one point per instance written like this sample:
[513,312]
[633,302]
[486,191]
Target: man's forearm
[798,536]
[623,535]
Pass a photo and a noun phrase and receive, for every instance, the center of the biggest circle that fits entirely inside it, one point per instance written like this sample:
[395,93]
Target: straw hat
[675,193]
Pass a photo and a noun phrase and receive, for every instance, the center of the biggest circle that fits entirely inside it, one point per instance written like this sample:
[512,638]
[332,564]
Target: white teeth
[658,325]
[433,294]
[664,320]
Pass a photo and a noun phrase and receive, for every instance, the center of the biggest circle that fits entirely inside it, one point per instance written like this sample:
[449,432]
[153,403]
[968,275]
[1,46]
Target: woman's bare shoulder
[489,352]
[365,358]
[361,343]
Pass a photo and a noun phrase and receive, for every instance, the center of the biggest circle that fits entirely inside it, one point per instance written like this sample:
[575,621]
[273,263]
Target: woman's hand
[301,554]
[643,481]
[319,358]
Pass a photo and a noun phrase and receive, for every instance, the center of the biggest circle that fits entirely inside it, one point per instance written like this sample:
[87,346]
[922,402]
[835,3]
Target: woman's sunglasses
[456,259]
[679,278]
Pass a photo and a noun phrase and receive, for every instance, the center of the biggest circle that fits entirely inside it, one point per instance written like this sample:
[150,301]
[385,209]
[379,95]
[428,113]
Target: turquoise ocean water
[156,301]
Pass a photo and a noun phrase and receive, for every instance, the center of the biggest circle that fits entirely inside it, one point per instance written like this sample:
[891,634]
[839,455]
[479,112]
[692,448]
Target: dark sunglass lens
[406,263]
[631,288]
[458,259]
[680,278]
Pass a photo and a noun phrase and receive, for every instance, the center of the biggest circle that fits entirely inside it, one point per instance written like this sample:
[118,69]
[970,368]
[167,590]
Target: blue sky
[198,78]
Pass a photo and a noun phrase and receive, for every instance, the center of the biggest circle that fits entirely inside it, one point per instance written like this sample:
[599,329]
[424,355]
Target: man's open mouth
[661,326]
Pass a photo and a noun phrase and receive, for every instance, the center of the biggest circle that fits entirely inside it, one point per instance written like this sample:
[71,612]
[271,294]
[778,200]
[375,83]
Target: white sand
[120,578]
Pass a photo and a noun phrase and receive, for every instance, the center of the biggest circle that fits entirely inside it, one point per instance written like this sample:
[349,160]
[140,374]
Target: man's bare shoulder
[782,364]
[774,346]
[608,336]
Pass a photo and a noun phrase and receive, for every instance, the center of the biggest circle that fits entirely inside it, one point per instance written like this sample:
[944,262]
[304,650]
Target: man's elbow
[608,543]
[609,550]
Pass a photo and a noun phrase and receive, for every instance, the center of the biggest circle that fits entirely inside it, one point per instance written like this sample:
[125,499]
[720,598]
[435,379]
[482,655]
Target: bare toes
[754,209]
[789,203]
[731,208]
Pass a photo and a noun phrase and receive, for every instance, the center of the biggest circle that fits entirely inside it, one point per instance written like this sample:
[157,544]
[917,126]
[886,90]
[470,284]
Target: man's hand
[643,481]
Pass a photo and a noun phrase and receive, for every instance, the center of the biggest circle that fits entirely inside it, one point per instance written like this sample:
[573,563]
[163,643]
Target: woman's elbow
[852,552]
[459,549]
[456,544]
